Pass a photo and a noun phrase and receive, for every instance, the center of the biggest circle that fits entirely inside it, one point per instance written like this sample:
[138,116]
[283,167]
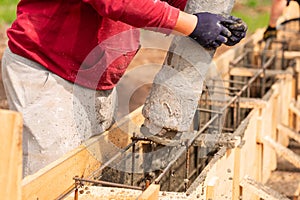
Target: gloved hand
[209,31]
[238,30]
[269,33]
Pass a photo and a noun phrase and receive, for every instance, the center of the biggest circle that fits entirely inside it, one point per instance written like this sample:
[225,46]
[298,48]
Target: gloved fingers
[231,20]
[236,19]
[234,23]
[233,40]
[225,31]
[240,34]
[221,39]
[227,22]
[238,27]
[215,45]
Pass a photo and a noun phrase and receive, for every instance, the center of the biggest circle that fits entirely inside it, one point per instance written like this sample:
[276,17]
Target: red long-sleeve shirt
[88,42]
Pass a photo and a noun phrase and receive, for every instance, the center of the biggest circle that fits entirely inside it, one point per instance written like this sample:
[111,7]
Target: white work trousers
[58,115]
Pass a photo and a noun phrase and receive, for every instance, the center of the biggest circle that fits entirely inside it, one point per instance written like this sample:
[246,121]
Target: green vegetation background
[7,10]
[248,10]
[255,13]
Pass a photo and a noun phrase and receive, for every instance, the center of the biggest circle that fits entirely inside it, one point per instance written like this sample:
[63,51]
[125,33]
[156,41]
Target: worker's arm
[205,28]
[185,23]
[137,13]
[177,3]
[276,11]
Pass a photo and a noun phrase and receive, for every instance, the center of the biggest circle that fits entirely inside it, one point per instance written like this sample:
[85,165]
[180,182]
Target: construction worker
[276,11]
[63,62]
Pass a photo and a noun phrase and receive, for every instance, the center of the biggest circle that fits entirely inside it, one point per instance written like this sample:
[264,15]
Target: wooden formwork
[10,154]
[239,171]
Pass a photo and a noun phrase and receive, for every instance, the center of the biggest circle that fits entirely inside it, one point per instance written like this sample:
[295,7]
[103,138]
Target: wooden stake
[283,151]
[248,72]
[294,109]
[10,155]
[210,189]
[289,132]
[151,193]
[236,174]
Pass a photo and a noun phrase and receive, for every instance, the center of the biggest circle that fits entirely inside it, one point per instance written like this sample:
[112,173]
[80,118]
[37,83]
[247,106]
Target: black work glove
[238,30]
[269,33]
[209,31]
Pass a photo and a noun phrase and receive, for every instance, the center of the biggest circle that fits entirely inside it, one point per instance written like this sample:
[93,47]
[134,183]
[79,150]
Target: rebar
[106,183]
[216,117]
[132,159]
[106,164]
[181,150]
[187,167]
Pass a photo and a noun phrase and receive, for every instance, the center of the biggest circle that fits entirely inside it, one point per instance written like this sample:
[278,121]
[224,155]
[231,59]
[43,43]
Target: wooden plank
[291,54]
[297,95]
[236,174]
[249,72]
[287,54]
[289,132]
[266,125]
[244,102]
[294,109]
[261,190]
[196,188]
[210,192]
[89,192]
[11,155]
[113,193]
[259,162]
[284,99]
[283,151]
[151,193]
[210,189]
[57,178]
[297,76]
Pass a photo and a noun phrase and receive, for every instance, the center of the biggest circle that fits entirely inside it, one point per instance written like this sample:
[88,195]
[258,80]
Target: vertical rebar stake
[296,75]
[147,184]
[77,185]
[263,61]
[220,123]
[133,159]
[248,91]
[206,104]
[234,115]
[238,111]
[187,166]
[196,149]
